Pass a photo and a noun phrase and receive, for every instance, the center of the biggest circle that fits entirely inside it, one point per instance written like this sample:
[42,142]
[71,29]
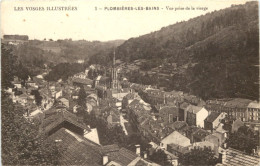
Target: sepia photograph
[130,83]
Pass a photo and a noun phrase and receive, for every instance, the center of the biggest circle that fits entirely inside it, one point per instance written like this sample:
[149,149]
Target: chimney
[138,151]
[224,156]
[145,155]
[225,145]
[105,159]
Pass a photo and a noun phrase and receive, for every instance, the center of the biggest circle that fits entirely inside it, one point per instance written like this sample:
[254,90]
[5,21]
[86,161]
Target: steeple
[114,73]
[114,59]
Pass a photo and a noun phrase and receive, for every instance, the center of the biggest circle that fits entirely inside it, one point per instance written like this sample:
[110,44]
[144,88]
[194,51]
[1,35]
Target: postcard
[130,82]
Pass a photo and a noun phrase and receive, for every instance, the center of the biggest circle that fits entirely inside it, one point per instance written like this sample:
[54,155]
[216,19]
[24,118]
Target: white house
[196,115]
[175,138]
[58,94]
[92,135]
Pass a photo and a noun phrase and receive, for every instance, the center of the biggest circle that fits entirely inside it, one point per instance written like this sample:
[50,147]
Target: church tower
[114,84]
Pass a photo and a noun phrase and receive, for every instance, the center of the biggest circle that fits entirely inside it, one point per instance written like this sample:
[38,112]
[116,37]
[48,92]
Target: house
[129,98]
[17,84]
[64,102]
[58,94]
[173,159]
[175,138]
[182,113]
[22,99]
[80,75]
[253,111]
[55,119]
[199,135]
[113,118]
[31,83]
[33,113]
[231,156]
[217,138]
[177,150]
[116,156]
[204,144]
[213,120]
[92,135]
[196,115]
[169,114]
[77,149]
[82,82]
[236,108]
[179,126]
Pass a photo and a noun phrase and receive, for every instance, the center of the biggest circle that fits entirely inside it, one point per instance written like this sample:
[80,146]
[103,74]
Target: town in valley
[135,110]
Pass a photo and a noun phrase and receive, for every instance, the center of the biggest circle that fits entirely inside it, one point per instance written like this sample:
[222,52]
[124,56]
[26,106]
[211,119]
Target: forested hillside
[221,51]
[35,52]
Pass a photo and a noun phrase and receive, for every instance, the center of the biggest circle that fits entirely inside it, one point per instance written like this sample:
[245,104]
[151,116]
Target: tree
[244,140]
[38,97]
[21,143]
[160,157]
[198,156]
[82,102]
[8,68]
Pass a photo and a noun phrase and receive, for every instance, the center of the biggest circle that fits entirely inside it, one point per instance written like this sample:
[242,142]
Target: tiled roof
[213,116]
[55,118]
[169,110]
[178,125]
[77,149]
[110,148]
[122,156]
[238,102]
[200,134]
[238,158]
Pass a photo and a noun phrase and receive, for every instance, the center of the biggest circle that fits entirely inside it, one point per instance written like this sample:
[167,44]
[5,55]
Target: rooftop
[238,158]
[78,150]
[193,109]
[212,117]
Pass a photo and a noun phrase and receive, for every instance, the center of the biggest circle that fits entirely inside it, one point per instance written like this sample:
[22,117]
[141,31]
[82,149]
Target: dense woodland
[64,71]
[222,45]
[36,53]
[21,142]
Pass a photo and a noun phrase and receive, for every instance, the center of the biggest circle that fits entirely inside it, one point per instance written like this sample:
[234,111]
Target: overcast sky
[88,24]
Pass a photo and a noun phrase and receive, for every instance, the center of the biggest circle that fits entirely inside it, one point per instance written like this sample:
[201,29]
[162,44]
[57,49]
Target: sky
[90,24]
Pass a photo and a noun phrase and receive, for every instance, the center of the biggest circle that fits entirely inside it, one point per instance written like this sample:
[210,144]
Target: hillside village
[112,110]
[174,122]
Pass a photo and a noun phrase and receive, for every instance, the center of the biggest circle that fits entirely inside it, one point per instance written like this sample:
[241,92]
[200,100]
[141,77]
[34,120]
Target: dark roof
[184,105]
[77,150]
[213,116]
[178,125]
[122,156]
[56,117]
[82,81]
[110,148]
[238,102]
[178,148]
[200,134]
[169,110]
[193,109]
